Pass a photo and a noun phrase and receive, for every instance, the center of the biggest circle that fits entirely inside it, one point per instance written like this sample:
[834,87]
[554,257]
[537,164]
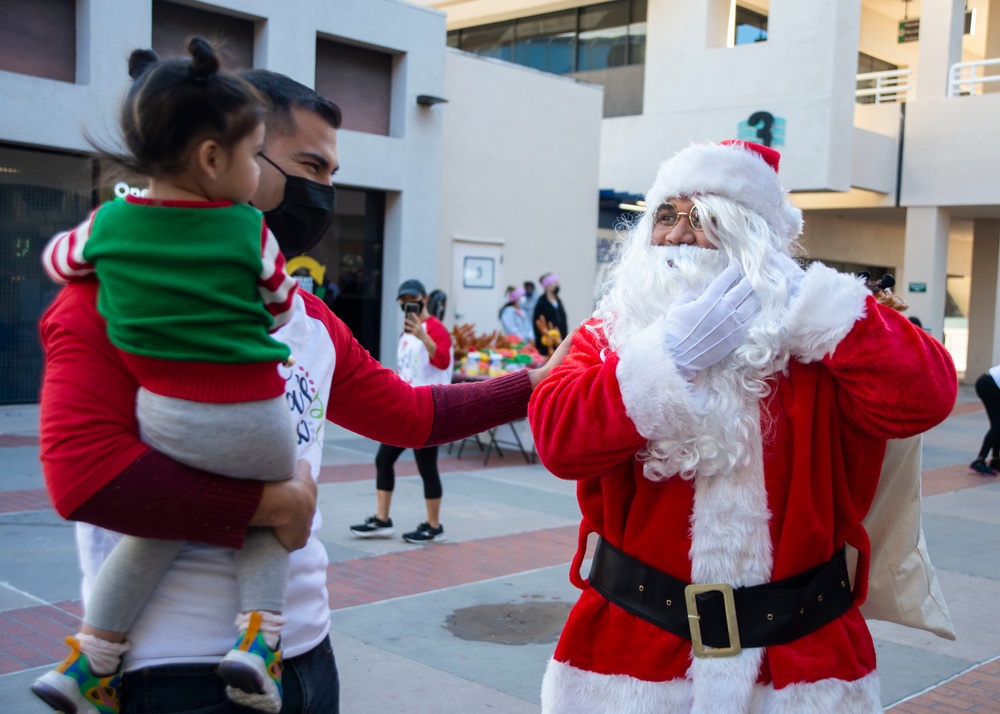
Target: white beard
[644,285]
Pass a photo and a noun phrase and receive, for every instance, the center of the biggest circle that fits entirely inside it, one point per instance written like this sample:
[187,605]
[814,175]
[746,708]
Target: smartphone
[411,308]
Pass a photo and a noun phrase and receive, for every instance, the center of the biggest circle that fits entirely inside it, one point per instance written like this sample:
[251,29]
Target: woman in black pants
[988,390]
[424,357]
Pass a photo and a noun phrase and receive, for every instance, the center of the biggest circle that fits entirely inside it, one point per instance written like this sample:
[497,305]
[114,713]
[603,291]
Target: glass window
[750,27]
[351,253]
[547,42]
[41,194]
[174,25]
[38,38]
[603,40]
[637,32]
[495,40]
[357,78]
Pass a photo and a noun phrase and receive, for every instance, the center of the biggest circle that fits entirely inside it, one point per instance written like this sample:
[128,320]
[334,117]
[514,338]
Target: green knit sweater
[180,283]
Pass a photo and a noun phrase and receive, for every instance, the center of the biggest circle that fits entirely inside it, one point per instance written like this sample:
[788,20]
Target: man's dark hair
[284,94]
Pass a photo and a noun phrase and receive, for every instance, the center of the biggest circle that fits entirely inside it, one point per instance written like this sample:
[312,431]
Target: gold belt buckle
[694,620]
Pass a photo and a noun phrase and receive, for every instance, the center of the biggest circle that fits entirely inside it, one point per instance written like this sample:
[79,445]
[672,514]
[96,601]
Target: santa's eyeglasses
[667,216]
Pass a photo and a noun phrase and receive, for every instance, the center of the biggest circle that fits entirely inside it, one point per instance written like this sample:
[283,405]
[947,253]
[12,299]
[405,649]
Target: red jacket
[826,425]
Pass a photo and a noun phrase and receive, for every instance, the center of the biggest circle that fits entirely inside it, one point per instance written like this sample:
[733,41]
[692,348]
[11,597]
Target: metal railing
[879,87]
[968,78]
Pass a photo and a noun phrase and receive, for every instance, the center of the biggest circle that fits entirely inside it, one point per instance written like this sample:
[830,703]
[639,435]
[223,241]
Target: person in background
[514,320]
[530,298]
[437,304]
[100,474]
[989,393]
[424,357]
[549,310]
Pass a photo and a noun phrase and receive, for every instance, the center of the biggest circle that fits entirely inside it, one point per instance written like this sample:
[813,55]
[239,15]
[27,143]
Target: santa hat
[741,171]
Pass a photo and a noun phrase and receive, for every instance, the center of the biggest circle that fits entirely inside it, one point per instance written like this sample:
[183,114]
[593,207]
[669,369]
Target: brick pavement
[976,690]
[32,636]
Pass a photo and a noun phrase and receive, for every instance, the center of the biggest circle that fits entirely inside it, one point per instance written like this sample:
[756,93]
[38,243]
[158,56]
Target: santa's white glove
[702,329]
[790,269]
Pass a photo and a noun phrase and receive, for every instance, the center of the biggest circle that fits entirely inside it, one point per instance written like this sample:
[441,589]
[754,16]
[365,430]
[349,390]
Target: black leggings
[989,392]
[427,465]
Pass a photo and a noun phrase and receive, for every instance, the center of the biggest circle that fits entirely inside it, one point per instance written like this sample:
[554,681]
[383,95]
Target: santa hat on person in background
[741,171]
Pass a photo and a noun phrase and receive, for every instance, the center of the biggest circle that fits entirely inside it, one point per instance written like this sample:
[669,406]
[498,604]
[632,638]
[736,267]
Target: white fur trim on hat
[730,171]
[824,311]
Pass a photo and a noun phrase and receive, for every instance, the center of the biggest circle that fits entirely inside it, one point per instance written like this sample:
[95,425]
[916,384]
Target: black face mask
[305,213]
[555,290]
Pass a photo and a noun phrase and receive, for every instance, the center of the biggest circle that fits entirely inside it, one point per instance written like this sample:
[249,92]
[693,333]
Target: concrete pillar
[286,43]
[678,28]
[991,26]
[941,25]
[925,264]
[984,336]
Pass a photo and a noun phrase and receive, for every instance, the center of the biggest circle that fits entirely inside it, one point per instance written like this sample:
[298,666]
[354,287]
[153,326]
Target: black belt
[716,615]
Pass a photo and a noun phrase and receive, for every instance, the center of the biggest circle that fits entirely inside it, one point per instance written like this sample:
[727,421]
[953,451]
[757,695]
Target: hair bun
[204,61]
[141,60]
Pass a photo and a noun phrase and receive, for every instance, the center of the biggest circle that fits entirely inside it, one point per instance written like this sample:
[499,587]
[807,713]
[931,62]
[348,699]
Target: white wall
[520,165]
[45,113]
[697,89]
[952,153]
[835,235]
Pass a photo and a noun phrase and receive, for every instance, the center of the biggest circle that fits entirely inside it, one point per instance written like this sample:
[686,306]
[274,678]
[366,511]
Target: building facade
[63,73]
[883,112]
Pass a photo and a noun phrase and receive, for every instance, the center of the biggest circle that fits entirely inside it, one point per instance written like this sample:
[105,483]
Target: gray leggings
[246,440]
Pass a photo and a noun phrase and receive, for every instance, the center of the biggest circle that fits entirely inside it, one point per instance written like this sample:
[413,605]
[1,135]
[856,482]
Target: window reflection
[41,194]
[546,42]
[610,34]
[603,36]
[750,27]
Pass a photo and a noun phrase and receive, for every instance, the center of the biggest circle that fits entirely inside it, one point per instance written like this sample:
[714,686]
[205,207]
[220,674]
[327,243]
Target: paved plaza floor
[467,625]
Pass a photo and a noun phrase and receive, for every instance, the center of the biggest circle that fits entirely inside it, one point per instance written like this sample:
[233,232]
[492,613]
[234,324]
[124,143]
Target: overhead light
[429,100]
[9,170]
[639,206]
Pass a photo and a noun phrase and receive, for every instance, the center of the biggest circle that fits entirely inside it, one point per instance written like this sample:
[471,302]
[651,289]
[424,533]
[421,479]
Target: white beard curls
[718,437]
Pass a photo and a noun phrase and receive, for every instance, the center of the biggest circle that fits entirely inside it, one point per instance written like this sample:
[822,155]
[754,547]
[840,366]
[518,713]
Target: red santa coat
[860,374]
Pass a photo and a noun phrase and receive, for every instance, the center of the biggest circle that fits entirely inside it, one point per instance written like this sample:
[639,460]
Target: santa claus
[725,414]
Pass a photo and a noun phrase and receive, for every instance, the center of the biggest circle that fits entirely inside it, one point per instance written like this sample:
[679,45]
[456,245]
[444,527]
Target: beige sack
[903,587]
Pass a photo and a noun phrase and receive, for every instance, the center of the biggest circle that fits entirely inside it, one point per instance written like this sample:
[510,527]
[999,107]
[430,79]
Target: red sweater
[826,426]
[97,470]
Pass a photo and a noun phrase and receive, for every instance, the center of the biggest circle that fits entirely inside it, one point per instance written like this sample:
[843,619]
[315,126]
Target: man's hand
[537,375]
[703,329]
[288,507]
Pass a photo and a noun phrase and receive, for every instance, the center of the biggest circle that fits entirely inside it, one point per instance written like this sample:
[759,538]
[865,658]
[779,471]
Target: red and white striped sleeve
[63,256]
[276,287]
